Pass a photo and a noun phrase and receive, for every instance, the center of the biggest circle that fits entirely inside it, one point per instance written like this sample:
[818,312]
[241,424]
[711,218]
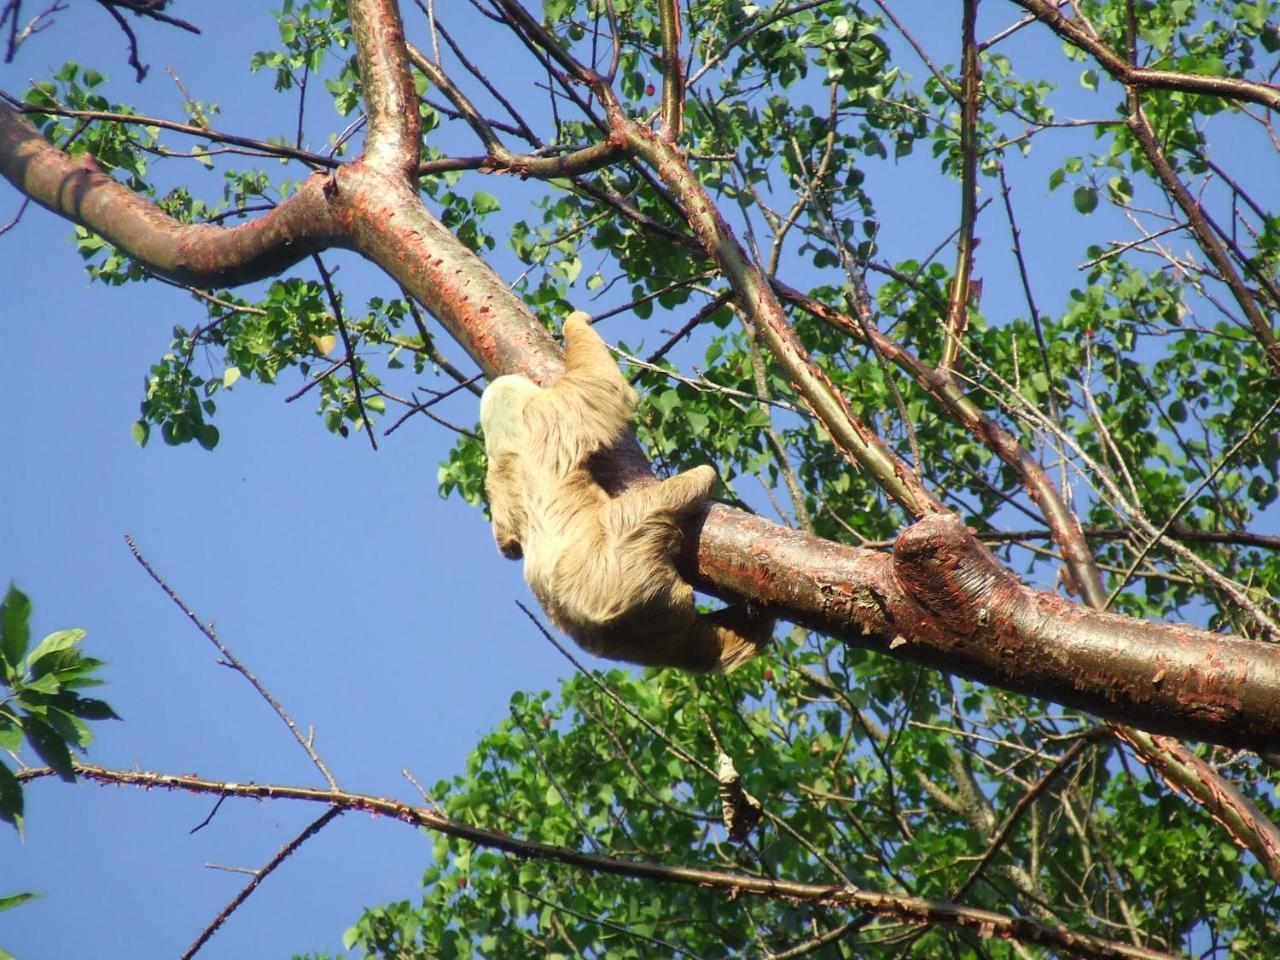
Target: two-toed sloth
[602,567]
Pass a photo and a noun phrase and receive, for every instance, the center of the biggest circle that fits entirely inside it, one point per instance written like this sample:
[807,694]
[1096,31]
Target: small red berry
[649,90]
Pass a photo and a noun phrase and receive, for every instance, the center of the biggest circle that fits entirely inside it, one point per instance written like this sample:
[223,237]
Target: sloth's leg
[683,494]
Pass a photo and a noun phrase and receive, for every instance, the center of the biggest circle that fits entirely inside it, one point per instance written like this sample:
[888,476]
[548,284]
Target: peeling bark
[941,600]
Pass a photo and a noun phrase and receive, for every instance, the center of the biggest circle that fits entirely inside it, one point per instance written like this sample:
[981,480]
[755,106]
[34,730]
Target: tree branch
[1164,677]
[914,910]
[754,296]
[672,70]
[1231,88]
[283,854]
[395,126]
[1204,234]
[961,292]
[196,254]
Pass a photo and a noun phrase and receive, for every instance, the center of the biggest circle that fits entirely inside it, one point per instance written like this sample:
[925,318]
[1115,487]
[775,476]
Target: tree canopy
[972,306]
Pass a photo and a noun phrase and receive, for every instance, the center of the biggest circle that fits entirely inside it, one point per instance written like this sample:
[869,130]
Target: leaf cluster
[41,702]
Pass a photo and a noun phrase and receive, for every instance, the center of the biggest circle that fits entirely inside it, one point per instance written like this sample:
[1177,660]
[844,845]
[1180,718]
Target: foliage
[41,703]
[854,782]
[1136,378]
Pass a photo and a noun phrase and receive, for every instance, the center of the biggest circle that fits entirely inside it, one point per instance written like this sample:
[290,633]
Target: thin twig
[234,662]
[267,869]
[352,360]
[1188,500]
[1024,803]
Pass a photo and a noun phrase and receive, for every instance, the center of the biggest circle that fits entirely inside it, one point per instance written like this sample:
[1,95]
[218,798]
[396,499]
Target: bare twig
[258,876]
[354,362]
[1187,500]
[234,662]
[1019,808]
[261,147]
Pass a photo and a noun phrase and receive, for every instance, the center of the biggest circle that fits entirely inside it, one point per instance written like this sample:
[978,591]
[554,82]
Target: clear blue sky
[376,611]
[371,608]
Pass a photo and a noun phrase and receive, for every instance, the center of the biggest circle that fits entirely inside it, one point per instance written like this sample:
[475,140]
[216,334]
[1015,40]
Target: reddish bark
[196,254]
[941,600]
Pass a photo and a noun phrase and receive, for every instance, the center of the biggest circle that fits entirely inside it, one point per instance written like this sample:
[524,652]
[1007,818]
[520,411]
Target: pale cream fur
[602,567]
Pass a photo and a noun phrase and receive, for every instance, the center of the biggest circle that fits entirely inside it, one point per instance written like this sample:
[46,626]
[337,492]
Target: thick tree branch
[672,70]
[395,126]
[1181,768]
[942,601]
[1230,88]
[1063,524]
[913,910]
[194,254]
[1186,773]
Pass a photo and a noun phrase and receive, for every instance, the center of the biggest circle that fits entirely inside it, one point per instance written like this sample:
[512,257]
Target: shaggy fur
[602,567]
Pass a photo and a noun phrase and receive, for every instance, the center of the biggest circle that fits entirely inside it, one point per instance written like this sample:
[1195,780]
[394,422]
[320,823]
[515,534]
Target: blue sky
[375,611]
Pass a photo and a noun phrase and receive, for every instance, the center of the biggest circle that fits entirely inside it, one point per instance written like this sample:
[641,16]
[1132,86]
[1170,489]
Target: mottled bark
[941,600]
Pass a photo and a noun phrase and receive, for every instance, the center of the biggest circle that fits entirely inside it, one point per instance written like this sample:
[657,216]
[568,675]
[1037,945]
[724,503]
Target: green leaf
[54,643]
[50,747]
[16,900]
[15,630]
[1085,199]
[44,684]
[141,431]
[73,731]
[65,665]
[1120,189]
[207,435]
[10,797]
[10,732]
[91,708]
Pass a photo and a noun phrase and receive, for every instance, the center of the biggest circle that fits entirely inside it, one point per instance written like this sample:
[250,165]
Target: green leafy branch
[40,702]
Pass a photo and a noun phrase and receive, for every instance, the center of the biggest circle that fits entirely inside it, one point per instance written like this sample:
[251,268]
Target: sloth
[601,566]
